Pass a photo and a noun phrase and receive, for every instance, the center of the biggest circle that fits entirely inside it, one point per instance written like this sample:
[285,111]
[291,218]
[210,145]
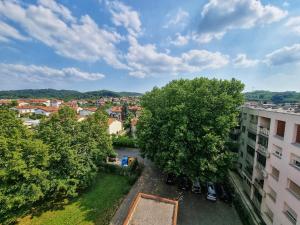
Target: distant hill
[63,94]
[275,97]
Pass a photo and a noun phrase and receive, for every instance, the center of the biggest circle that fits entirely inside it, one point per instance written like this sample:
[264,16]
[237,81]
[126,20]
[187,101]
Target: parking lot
[193,209]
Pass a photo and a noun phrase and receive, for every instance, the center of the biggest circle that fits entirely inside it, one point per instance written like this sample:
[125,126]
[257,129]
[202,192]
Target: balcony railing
[253,127]
[264,131]
[260,167]
[251,142]
[262,149]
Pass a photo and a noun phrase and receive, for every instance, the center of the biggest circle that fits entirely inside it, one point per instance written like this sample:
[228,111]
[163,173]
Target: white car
[211,192]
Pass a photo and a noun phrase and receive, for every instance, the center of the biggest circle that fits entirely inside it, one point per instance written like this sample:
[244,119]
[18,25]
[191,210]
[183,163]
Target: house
[135,110]
[46,111]
[24,109]
[116,112]
[30,123]
[55,103]
[5,101]
[100,102]
[45,102]
[114,126]
[87,111]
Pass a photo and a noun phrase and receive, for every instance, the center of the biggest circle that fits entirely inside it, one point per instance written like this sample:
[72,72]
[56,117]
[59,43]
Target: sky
[134,45]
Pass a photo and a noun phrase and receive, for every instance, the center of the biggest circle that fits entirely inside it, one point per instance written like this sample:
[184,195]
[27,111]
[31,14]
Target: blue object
[124,161]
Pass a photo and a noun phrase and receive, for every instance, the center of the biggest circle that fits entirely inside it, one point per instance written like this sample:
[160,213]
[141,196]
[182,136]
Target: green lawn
[96,206]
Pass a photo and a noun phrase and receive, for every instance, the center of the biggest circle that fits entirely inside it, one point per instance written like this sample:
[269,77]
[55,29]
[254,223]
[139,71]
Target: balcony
[252,127]
[264,131]
[251,142]
[263,150]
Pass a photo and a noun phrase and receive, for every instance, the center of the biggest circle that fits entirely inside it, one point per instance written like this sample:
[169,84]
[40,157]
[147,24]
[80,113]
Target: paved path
[193,209]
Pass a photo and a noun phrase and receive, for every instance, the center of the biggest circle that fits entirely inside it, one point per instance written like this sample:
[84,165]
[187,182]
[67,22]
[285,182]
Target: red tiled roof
[48,109]
[93,109]
[111,120]
[134,108]
[25,107]
[134,121]
[116,109]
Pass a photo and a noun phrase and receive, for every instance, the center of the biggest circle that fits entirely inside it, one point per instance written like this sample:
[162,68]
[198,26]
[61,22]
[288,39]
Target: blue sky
[134,45]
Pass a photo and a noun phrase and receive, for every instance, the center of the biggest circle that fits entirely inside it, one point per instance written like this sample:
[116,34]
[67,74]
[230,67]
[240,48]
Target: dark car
[184,183]
[171,178]
[196,188]
[223,193]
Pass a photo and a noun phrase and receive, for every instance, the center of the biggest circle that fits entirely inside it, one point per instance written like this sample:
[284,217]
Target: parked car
[196,188]
[223,193]
[184,183]
[211,192]
[171,178]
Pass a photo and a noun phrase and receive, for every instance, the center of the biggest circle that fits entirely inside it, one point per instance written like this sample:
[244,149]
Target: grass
[96,206]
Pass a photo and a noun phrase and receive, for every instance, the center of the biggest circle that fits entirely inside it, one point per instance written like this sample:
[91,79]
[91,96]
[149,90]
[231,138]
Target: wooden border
[152,197]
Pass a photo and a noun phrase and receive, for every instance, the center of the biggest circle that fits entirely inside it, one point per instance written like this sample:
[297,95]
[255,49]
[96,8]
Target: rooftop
[152,210]
[285,108]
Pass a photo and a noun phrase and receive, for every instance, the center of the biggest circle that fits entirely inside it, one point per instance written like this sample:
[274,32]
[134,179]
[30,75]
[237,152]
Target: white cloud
[41,74]
[146,60]
[179,19]
[7,32]
[219,16]
[123,15]
[285,55]
[179,40]
[53,24]
[242,61]
[293,24]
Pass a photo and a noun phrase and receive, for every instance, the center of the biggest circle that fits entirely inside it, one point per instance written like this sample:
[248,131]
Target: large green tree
[75,149]
[185,124]
[23,167]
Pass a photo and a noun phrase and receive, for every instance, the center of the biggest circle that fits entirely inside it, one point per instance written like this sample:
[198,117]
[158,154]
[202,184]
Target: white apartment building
[269,162]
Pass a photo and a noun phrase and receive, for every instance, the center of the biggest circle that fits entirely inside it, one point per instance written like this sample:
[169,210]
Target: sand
[152,212]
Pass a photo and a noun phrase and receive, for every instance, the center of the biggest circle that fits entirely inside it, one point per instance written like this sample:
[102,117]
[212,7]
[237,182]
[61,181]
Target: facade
[114,126]
[45,111]
[269,162]
[87,111]
[24,109]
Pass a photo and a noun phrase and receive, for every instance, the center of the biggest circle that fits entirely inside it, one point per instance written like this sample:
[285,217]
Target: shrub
[124,141]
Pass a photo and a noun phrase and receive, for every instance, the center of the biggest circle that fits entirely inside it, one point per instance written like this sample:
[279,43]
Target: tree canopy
[185,124]
[57,160]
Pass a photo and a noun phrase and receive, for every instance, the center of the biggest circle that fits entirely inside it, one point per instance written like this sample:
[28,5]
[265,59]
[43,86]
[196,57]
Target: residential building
[114,126]
[24,109]
[56,103]
[87,111]
[46,111]
[116,112]
[269,162]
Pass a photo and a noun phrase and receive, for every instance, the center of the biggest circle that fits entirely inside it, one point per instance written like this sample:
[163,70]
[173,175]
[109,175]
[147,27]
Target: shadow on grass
[96,205]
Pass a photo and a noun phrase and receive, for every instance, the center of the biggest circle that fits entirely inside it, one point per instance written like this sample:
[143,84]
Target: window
[250,150]
[269,214]
[294,188]
[261,159]
[295,161]
[290,213]
[297,134]
[277,151]
[272,194]
[252,136]
[275,173]
[280,128]
[263,141]
[243,129]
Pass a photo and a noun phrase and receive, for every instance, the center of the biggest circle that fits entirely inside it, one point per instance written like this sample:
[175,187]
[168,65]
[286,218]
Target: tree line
[57,160]
[62,94]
